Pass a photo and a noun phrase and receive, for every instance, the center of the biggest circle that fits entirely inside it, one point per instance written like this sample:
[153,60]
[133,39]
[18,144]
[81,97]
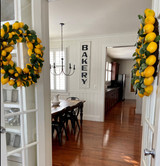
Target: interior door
[19,110]
[151,117]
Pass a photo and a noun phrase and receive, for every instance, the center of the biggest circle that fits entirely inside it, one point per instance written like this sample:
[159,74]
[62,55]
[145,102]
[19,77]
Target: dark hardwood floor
[116,142]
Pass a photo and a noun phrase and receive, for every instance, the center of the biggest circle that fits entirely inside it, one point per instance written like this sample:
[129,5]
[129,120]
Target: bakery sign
[85,65]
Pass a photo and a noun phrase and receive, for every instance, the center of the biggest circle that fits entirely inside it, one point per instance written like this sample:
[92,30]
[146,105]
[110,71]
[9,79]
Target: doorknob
[149,152]
[2,130]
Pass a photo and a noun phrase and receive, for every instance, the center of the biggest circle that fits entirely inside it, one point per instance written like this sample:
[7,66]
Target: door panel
[148,125]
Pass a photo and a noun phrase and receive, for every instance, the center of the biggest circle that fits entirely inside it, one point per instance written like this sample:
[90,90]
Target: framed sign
[85,64]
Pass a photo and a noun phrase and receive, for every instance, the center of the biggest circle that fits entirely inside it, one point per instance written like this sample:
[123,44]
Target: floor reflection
[116,142]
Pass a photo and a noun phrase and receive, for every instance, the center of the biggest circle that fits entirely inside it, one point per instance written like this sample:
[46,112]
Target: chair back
[73,98]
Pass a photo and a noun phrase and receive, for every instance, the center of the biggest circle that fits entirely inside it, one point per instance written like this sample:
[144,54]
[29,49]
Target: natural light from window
[58,82]
[108,71]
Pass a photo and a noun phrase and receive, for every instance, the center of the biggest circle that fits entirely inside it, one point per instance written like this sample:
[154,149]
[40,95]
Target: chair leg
[65,131]
[77,123]
[59,135]
[73,125]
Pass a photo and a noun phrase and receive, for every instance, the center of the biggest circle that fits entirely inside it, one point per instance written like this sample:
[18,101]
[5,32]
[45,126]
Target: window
[58,82]
[108,71]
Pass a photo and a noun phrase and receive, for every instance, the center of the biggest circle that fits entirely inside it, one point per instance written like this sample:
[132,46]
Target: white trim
[92,118]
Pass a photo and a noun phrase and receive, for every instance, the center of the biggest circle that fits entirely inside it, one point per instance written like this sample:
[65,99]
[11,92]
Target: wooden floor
[116,142]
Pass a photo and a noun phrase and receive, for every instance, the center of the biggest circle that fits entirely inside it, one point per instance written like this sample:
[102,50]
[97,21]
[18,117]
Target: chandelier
[70,70]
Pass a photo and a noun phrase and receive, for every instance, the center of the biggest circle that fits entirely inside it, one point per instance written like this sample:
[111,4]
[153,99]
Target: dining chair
[72,115]
[58,124]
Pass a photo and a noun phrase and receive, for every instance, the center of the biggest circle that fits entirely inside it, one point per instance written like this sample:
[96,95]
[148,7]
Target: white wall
[125,68]
[94,96]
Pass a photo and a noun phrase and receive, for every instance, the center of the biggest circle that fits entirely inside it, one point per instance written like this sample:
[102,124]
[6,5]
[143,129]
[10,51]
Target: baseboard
[92,118]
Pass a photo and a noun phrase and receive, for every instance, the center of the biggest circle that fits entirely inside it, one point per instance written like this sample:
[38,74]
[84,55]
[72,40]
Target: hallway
[116,142]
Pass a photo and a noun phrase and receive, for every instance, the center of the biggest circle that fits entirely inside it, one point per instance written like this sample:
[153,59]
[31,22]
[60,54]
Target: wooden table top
[64,104]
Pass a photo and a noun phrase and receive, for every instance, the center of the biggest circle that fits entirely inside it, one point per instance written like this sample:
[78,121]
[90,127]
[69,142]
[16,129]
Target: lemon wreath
[11,73]
[146,54]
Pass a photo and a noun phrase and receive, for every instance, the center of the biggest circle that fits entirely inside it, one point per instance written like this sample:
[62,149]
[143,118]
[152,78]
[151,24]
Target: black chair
[58,124]
[72,115]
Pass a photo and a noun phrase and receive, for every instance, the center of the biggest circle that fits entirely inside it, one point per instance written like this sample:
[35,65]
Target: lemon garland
[146,54]
[12,74]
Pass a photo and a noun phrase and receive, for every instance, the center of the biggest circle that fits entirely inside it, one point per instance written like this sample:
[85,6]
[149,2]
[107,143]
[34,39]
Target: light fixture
[70,71]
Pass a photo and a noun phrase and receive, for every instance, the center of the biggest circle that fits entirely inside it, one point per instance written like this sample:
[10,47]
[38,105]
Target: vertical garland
[146,54]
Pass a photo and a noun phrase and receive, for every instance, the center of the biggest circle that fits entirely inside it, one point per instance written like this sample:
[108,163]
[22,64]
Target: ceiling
[121,52]
[95,17]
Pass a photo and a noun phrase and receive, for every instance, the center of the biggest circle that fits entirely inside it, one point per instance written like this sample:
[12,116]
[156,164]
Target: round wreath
[12,74]
[146,54]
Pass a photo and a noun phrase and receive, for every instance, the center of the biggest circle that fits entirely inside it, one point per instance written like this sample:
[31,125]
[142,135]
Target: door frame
[41,26]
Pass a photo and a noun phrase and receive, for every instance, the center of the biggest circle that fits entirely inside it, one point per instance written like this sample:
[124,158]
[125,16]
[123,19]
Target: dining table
[66,105]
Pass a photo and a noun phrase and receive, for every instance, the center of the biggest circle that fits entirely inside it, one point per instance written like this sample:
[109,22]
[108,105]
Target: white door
[150,154]
[23,120]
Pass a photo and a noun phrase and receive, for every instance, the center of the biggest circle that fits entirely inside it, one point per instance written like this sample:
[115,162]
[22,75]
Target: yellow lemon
[10,35]
[16,25]
[2,33]
[148,28]
[11,82]
[37,51]
[5,62]
[9,49]
[150,37]
[12,42]
[19,83]
[3,71]
[30,45]
[142,74]
[30,52]
[138,60]
[3,53]
[20,39]
[27,39]
[7,25]
[19,70]
[4,80]
[39,46]
[11,71]
[21,24]
[148,81]
[39,40]
[151,60]
[29,82]
[13,33]
[28,64]
[9,57]
[140,95]
[137,73]
[37,56]
[11,63]
[149,12]
[149,89]
[29,77]
[20,31]
[152,47]
[149,20]
[4,43]
[26,70]
[136,81]
[149,71]
[146,94]
[16,74]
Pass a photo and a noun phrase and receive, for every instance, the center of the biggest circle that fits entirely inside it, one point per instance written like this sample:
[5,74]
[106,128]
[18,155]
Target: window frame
[54,76]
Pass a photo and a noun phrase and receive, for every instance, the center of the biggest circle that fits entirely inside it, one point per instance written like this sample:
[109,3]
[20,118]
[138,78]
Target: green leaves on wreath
[157,38]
